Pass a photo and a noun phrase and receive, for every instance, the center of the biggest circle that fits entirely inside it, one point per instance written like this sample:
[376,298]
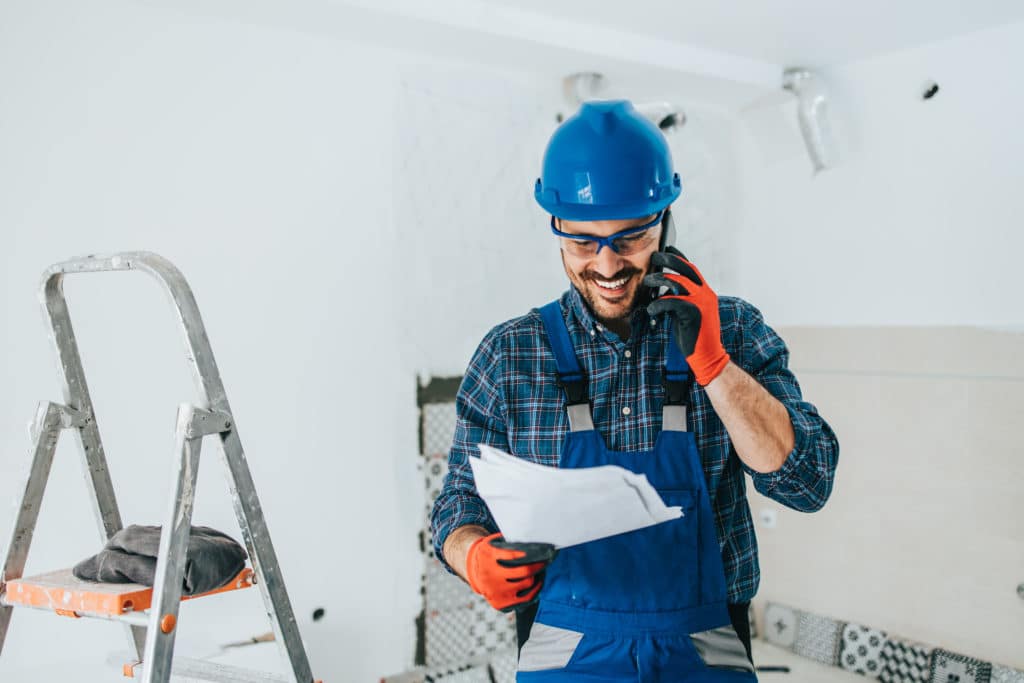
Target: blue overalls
[648,605]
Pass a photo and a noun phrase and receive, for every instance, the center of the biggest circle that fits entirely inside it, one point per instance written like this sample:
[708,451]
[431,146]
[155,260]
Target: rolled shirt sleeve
[478,410]
[804,482]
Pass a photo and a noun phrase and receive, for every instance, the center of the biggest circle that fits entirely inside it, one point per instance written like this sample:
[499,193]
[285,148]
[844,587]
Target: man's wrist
[713,370]
[726,369]
[456,546]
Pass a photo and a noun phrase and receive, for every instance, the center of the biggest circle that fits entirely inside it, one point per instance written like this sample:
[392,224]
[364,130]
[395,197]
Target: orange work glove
[509,575]
[694,310]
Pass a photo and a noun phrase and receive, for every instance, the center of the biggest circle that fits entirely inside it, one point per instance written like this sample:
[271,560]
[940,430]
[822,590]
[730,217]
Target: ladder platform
[69,596]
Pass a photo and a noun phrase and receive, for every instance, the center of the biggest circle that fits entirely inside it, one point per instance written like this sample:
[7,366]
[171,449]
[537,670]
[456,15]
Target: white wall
[219,146]
[919,223]
[267,165]
[888,263]
[350,218]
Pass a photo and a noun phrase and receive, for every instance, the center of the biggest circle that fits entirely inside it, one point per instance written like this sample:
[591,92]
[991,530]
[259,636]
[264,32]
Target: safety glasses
[625,242]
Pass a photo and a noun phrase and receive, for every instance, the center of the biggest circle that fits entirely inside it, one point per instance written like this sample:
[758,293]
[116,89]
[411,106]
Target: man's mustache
[625,272]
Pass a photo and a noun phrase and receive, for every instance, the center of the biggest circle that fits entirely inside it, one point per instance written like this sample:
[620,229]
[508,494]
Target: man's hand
[694,310]
[509,575]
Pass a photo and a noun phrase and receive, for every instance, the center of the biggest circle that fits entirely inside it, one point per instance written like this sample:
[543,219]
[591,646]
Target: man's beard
[604,310]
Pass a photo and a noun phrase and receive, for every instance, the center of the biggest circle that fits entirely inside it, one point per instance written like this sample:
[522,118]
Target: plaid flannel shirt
[509,399]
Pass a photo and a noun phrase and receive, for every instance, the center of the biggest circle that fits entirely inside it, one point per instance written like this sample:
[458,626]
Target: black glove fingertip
[659,306]
[533,552]
[675,263]
[655,280]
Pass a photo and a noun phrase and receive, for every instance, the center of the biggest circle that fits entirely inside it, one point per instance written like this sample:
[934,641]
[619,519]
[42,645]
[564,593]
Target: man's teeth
[611,284]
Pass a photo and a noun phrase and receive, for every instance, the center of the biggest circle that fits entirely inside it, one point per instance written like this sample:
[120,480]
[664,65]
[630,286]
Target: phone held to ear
[668,230]
[668,238]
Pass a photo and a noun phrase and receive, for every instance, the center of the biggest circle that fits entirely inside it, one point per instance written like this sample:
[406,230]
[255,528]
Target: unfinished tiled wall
[924,533]
[460,637]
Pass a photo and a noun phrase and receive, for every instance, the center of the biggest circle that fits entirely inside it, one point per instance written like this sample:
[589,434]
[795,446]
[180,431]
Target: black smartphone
[668,231]
[668,238]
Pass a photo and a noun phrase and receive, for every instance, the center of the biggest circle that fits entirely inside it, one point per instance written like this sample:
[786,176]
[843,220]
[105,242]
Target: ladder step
[185,670]
[63,593]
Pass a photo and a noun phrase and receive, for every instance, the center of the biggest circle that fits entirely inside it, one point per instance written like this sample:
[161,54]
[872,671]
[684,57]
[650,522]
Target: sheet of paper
[537,503]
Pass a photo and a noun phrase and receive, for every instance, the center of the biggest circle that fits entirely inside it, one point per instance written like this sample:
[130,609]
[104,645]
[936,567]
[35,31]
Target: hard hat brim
[599,212]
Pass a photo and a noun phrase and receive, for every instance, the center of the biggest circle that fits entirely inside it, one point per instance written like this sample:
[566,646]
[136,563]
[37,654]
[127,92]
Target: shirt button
[626,411]
[593,333]
[628,354]
[654,323]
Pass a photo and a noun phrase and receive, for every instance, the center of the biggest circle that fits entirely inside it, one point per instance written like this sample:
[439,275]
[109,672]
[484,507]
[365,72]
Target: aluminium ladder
[152,635]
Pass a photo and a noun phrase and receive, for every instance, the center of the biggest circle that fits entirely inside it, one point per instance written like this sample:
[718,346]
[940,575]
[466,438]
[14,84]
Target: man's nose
[607,262]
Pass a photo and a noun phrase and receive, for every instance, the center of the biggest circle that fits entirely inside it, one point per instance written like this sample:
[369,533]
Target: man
[639,365]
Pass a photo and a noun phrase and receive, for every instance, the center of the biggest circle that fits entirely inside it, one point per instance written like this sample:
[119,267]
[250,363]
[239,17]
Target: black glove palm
[686,317]
[693,306]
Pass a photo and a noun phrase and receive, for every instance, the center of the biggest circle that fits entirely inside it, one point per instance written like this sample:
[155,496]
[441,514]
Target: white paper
[541,504]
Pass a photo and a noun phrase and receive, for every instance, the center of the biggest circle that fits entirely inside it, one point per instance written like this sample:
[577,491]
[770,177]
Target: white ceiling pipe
[812,112]
[589,85]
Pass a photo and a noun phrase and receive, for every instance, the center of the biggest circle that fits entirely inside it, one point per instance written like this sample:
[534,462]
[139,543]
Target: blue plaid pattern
[509,399]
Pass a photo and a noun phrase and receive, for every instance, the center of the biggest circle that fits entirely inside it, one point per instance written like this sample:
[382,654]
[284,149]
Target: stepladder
[150,614]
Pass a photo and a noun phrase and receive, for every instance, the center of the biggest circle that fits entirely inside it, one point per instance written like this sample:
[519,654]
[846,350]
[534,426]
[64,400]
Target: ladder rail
[170,564]
[50,418]
[45,429]
[75,390]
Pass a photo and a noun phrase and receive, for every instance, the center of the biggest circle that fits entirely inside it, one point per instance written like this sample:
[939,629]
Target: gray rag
[213,559]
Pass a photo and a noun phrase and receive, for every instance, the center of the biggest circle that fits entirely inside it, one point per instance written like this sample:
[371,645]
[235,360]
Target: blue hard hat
[606,162]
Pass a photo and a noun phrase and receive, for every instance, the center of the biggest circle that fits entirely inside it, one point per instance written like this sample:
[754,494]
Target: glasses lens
[634,243]
[579,247]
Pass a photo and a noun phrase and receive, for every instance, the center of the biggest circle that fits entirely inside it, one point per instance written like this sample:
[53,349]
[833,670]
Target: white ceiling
[788,32]
[721,53]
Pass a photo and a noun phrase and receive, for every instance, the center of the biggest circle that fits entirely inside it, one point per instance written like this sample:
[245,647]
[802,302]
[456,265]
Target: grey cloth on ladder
[212,559]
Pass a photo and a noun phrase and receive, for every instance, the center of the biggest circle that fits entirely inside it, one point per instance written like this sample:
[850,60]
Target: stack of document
[541,504]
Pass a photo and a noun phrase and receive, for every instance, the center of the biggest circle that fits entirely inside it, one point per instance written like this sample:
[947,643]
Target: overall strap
[677,381]
[570,374]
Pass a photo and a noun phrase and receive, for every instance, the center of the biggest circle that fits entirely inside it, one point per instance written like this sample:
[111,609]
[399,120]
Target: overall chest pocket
[648,570]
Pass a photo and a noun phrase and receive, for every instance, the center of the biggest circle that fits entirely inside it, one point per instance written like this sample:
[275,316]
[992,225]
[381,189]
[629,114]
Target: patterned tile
[502,666]
[861,650]
[504,663]
[950,667]
[905,662]
[818,638]
[780,625]
[490,630]
[459,674]
[434,468]
[444,591]
[1004,674]
[461,629]
[447,637]
[438,428]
